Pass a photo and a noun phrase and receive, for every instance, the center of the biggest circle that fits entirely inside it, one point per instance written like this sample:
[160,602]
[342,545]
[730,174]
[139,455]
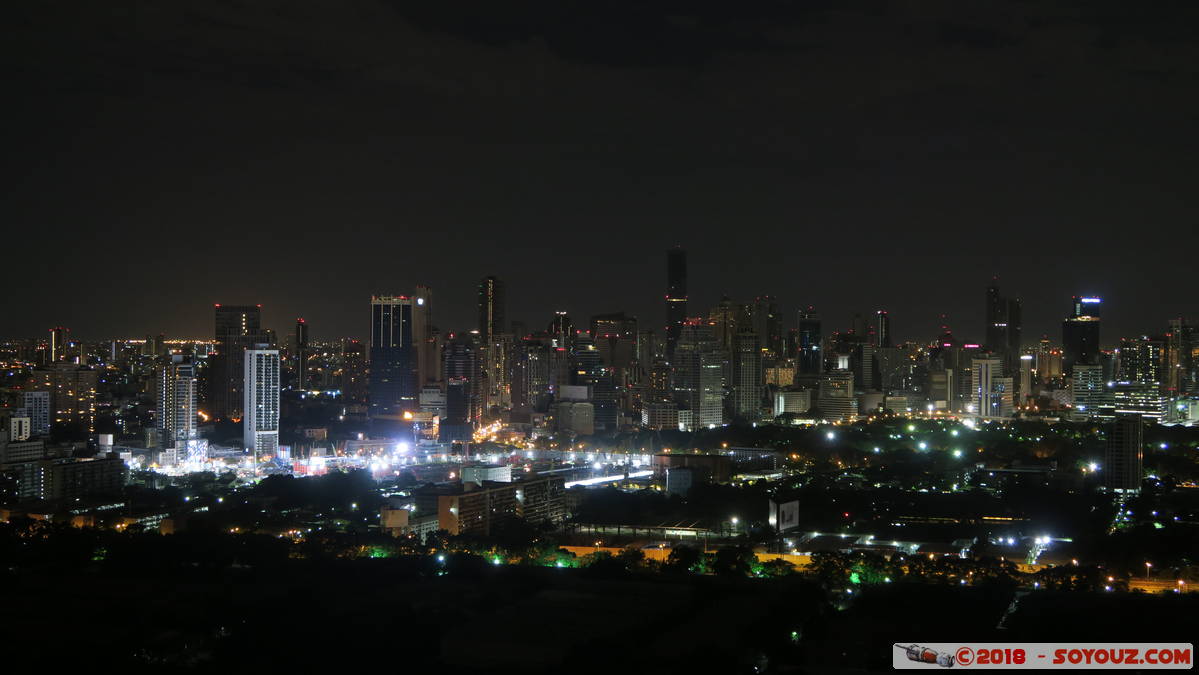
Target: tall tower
[491,308]
[746,377]
[1080,333]
[393,386]
[177,401]
[1003,328]
[59,338]
[1122,462]
[301,354]
[260,432]
[676,297]
[882,329]
[809,351]
[236,329]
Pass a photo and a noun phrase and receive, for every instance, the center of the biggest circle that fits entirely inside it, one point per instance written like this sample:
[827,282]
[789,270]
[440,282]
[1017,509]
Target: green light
[854,578]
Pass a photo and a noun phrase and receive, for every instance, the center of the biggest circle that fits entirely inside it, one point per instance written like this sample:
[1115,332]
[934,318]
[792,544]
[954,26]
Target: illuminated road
[609,479]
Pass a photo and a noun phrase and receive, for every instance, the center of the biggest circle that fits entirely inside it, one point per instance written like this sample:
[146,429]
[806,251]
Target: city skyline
[1047,314]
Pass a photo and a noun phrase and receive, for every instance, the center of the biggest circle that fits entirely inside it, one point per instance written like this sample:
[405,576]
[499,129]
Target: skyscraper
[261,404]
[491,308]
[809,350]
[746,378]
[1003,328]
[177,395]
[696,374]
[72,392]
[59,338]
[1182,373]
[301,355]
[1122,469]
[991,391]
[236,329]
[767,323]
[676,297]
[882,329]
[1080,334]
[392,356]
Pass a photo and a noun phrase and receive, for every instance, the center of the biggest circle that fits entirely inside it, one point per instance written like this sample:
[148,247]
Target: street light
[1147,566]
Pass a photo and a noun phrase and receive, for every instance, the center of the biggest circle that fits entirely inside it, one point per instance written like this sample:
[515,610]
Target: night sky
[162,156]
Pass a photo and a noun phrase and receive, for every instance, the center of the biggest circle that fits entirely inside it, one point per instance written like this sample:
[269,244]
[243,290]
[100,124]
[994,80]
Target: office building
[882,330]
[236,329]
[261,405]
[1182,366]
[809,350]
[1122,466]
[767,323]
[491,307]
[59,339]
[458,424]
[835,398]
[1080,334]
[1091,396]
[301,354]
[746,380]
[1003,328]
[392,357]
[992,392]
[697,374]
[796,402]
[676,298]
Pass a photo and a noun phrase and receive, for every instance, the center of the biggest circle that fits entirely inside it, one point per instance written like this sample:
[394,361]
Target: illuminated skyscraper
[177,395]
[59,338]
[491,308]
[676,297]
[261,404]
[1080,334]
[992,392]
[696,374]
[393,385]
[301,355]
[1182,368]
[72,390]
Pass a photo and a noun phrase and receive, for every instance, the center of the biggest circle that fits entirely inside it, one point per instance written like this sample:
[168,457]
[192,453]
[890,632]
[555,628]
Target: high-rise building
[392,357]
[992,392]
[491,308]
[177,396]
[697,374]
[1142,360]
[236,329]
[261,404]
[767,323]
[36,406]
[1090,393]
[882,329]
[458,424]
[676,297]
[746,380]
[1003,328]
[1122,471]
[462,360]
[426,338]
[809,351]
[1182,368]
[301,355]
[72,393]
[1080,333]
[59,339]
[835,398]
